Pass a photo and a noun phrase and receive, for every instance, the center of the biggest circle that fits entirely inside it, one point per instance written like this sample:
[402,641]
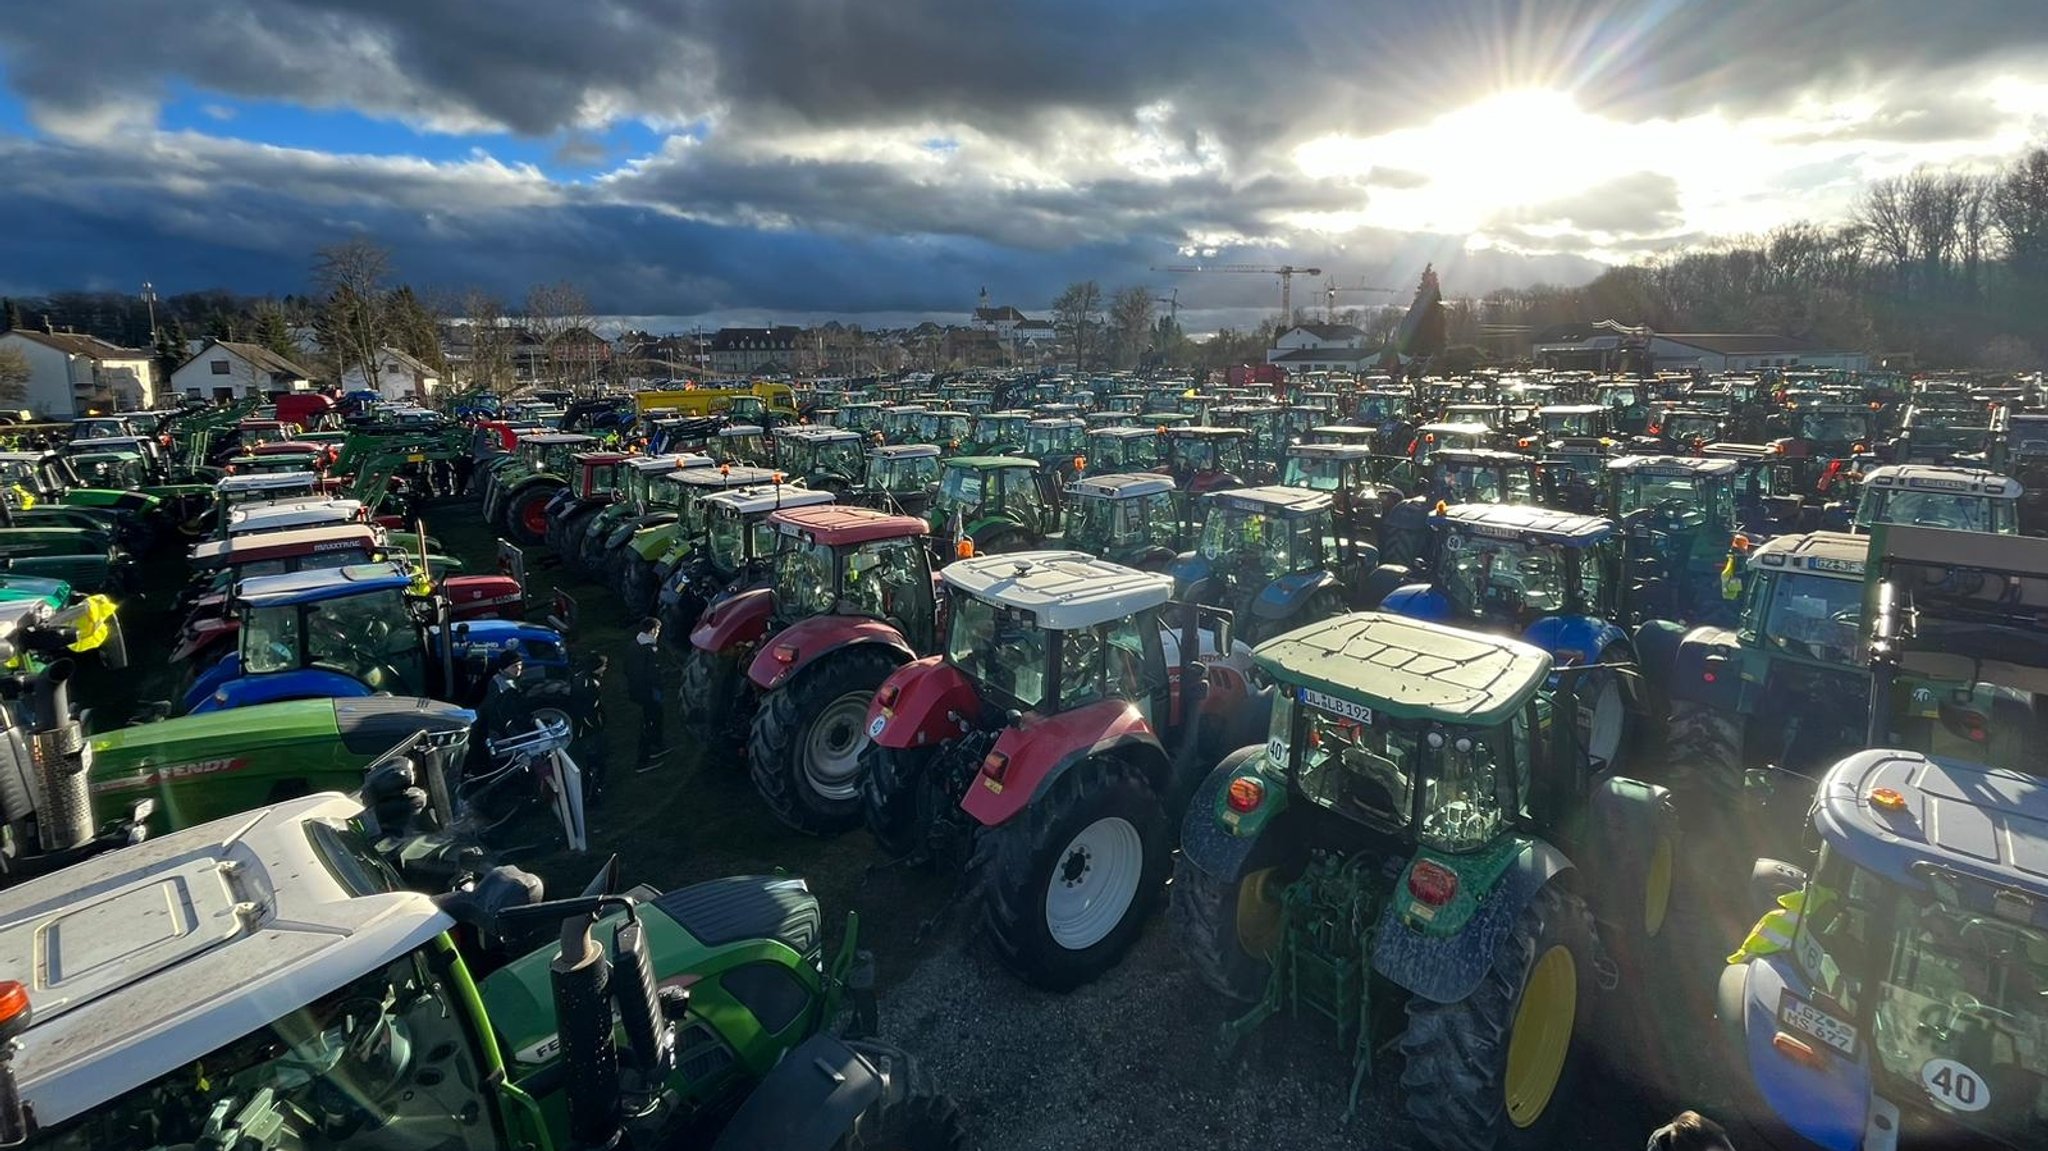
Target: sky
[737,160]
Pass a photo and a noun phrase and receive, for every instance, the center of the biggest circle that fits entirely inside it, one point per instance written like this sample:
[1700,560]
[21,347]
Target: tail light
[887,696]
[1246,794]
[995,765]
[785,653]
[1797,1050]
[1432,883]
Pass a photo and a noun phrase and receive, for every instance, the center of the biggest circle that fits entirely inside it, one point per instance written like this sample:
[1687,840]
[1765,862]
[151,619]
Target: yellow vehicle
[760,402]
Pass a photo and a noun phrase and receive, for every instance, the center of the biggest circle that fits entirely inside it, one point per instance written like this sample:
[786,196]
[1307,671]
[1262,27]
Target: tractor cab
[738,539]
[740,444]
[1962,435]
[994,503]
[824,458]
[1384,406]
[1959,499]
[948,428]
[1206,458]
[597,476]
[235,491]
[352,624]
[1342,434]
[1559,421]
[1349,475]
[851,562]
[1429,439]
[1689,429]
[900,478]
[863,416]
[289,515]
[1829,431]
[118,469]
[1273,556]
[1131,448]
[1128,518]
[898,423]
[1267,424]
[1683,509]
[1899,989]
[1625,401]
[1058,443]
[999,433]
[2023,455]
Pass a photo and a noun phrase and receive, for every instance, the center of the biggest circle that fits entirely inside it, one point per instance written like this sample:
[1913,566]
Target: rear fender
[813,639]
[1707,669]
[742,619]
[1629,817]
[933,702]
[1040,749]
[1448,968]
[1417,601]
[1656,647]
[811,1100]
[1218,849]
[1826,1106]
[307,683]
[1284,596]
[1584,634]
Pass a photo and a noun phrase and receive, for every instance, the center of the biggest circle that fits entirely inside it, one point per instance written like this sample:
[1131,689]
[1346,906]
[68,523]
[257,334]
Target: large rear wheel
[1228,929]
[804,751]
[526,516]
[710,700]
[1493,1069]
[891,778]
[1067,883]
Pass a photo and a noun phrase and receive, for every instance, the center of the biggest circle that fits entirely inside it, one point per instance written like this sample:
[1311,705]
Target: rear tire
[803,755]
[1066,884]
[708,695]
[890,778]
[922,1122]
[1456,1080]
[525,517]
[1205,912]
[638,587]
[1705,752]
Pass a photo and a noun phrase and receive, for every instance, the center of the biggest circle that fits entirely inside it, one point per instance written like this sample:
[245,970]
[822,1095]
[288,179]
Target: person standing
[643,687]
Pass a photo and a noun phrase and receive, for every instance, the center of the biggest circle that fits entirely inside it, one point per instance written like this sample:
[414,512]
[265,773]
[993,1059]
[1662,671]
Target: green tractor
[645,500]
[646,560]
[518,488]
[1398,859]
[989,504]
[1131,519]
[899,478]
[323,1005]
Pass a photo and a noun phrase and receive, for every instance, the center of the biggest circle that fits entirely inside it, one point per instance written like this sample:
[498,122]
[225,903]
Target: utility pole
[149,300]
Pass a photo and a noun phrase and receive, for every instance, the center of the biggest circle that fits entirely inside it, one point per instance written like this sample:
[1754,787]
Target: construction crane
[1286,272]
[1332,288]
[1172,302]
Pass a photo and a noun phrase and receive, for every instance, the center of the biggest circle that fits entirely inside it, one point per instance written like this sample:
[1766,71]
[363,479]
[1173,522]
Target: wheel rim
[833,745]
[1094,881]
[535,516]
[1542,1035]
[1603,731]
[1657,888]
[1259,912]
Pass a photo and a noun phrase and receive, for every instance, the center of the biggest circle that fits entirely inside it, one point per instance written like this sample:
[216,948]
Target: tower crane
[1172,302]
[1286,272]
[1332,288]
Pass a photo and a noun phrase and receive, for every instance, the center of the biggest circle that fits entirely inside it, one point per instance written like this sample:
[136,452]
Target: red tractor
[1053,746]
[852,601]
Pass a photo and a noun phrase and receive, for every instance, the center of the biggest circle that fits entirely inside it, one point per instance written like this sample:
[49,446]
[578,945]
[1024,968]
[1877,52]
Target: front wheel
[1491,1069]
[1066,884]
[804,751]
[923,1121]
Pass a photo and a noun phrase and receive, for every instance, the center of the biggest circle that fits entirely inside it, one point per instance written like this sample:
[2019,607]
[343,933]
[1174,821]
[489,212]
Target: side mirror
[1771,878]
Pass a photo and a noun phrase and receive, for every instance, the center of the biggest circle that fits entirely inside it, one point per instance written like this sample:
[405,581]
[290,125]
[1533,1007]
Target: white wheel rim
[1094,881]
[1603,742]
[833,745]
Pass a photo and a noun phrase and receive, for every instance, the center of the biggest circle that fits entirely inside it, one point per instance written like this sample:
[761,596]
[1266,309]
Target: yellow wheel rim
[1258,913]
[1657,888]
[1542,1034]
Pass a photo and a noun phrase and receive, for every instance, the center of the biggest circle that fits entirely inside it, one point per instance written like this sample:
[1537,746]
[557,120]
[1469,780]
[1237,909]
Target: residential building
[399,377]
[70,374]
[229,370]
[1324,339]
[744,351]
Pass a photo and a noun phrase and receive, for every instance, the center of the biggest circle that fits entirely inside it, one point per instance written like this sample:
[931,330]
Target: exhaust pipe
[61,760]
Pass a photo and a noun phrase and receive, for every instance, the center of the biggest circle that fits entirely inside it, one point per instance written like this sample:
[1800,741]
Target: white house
[1329,339]
[399,377]
[227,370]
[70,374]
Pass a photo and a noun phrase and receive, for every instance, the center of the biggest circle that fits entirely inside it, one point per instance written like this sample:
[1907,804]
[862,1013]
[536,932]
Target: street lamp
[149,298]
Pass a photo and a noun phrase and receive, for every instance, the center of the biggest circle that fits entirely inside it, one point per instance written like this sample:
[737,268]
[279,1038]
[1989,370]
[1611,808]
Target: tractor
[2023,454]
[828,459]
[899,478]
[516,493]
[1682,511]
[644,501]
[1130,519]
[947,427]
[339,1009]
[641,564]
[1397,857]
[1938,436]
[595,482]
[997,434]
[1350,474]
[991,503]
[1960,499]
[1453,476]
[1050,748]
[1126,449]
[850,602]
[1771,687]
[1273,557]
[1893,992]
[1206,459]
[738,547]
[1554,580]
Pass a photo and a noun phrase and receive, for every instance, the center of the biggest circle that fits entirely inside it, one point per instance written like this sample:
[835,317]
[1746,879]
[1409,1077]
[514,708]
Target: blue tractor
[1553,579]
[1274,557]
[368,629]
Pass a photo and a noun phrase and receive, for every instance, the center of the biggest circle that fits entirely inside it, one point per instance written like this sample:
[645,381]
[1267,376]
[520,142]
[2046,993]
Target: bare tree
[558,314]
[490,341]
[1130,324]
[2019,212]
[1074,316]
[1885,214]
[351,276]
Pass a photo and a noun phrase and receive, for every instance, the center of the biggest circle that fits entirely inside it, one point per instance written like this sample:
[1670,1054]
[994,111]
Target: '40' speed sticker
[1954,1085]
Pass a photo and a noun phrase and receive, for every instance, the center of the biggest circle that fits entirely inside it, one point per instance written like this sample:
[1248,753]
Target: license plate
[1331,705]
[1807,1019]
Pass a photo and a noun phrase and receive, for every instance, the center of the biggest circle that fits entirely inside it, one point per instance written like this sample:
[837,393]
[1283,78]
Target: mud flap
[1446,969]
[815,1095]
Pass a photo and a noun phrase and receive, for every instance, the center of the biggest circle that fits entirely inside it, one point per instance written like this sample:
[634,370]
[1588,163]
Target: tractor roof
[278,545]
[1207,432]
[991,463]
[738,431]
[1272,500]
[1838,555]
[1482,456]
[1982,822]
[1687,466]
[106,443]
[817,434]
[837,525]
[557,439]
[1124,431]
[601,459]
[1330,451]
[250,519]
[904,409]
[1928,478]
[1408,668]
[669,463]
[264,481]
[1062,589]
[1514,521]
[757,499]
[2024,556]
[142,960]
[1458,428]
[1057,422]
[1571,409]
[723,477]
[1121,485]
[905,451]
[322,584]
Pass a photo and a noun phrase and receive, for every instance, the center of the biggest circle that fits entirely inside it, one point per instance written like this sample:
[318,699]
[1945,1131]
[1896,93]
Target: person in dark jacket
[503,710]
[642,667]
